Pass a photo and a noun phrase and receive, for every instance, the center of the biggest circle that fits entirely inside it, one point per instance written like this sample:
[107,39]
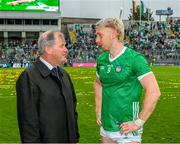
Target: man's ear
[114,34]
[48,50]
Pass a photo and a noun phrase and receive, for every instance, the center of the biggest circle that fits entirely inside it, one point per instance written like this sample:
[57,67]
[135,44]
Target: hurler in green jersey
[121,88]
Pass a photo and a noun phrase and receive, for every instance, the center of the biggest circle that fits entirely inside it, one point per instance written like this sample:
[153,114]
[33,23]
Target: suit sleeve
[27,103]
[75,111]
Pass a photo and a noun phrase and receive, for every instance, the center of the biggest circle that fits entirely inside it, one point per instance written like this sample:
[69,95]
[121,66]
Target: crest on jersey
[118,68]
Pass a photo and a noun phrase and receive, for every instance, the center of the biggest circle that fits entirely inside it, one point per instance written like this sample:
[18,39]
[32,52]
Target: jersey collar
[112,59]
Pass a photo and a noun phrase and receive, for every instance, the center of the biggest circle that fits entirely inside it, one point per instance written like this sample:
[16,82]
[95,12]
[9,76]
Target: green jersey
[121,88]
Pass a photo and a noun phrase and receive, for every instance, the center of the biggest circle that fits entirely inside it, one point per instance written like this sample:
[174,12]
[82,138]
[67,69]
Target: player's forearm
[98,97]
[149,104]
[98,106]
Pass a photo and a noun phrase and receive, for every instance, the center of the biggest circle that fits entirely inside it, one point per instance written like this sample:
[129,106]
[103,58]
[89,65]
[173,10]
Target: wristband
[139,122]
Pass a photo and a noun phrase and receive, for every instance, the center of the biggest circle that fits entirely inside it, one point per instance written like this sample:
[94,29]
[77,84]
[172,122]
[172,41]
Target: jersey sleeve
[141,66]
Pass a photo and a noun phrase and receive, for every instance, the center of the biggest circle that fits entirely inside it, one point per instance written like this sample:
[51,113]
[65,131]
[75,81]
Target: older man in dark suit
[46,100]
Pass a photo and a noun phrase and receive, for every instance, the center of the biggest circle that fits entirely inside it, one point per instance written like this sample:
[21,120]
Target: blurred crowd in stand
[158,41]
[21,52]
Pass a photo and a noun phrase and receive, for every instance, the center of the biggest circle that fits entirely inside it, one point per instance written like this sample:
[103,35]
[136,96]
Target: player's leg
[133,143]
[107,141]
[106,137]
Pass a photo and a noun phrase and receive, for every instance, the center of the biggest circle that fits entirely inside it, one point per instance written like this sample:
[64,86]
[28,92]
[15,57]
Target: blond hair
[114,23]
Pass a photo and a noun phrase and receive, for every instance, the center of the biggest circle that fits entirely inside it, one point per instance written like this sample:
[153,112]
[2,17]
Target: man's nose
[97,41]
[65,49]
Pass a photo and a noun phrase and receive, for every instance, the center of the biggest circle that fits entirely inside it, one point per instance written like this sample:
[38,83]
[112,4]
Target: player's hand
[98,119]
[128,127]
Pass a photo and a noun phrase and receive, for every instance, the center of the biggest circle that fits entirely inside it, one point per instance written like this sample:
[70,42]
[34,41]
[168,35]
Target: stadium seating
[159,42]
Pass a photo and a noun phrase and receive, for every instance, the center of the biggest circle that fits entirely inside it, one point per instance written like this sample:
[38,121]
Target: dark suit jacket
[46,106]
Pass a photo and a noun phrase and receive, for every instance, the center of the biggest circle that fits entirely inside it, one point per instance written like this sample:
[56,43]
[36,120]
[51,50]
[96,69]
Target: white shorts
[121,139]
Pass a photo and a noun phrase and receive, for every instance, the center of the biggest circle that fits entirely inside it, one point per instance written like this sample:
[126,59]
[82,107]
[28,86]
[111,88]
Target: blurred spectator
[158,41]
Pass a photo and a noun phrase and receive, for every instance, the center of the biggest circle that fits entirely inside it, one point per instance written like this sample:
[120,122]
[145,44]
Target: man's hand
[98,119]
[128,127]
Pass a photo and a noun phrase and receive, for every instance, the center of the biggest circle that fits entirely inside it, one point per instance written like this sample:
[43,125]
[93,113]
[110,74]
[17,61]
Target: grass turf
[162,127]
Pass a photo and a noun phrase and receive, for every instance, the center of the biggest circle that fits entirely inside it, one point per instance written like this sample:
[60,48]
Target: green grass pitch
[162,127]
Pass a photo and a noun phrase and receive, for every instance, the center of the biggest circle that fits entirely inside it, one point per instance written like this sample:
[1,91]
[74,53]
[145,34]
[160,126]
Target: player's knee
[133,143]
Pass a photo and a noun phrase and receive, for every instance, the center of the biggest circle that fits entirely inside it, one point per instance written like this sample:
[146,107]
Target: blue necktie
[54,72]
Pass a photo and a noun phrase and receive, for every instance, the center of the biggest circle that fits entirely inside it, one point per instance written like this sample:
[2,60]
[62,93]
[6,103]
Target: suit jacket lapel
[43,69]
[63,80]
[65,85]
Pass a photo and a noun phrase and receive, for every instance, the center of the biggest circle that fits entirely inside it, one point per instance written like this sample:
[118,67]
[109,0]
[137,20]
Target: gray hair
[114,23]
[48,39]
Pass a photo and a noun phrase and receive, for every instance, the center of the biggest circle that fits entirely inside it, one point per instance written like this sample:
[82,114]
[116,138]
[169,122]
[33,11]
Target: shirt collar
[50,67]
